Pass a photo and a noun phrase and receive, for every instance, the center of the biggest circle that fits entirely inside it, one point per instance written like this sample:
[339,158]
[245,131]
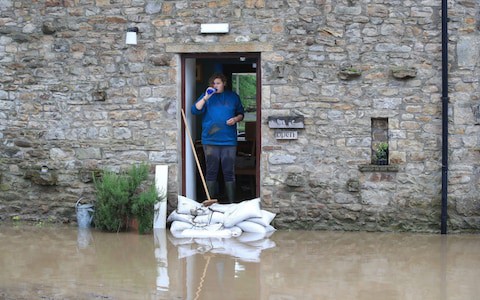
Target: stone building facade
[75,98]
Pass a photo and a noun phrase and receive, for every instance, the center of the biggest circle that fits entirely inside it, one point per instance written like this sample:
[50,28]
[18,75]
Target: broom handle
[195,155]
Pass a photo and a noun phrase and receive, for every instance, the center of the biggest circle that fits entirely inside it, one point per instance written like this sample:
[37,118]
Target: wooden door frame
[232,56]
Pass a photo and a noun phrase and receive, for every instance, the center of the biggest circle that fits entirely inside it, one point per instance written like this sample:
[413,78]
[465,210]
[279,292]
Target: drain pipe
[445,98]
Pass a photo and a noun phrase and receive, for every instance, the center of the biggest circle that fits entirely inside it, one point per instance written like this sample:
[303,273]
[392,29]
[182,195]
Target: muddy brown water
[72,263]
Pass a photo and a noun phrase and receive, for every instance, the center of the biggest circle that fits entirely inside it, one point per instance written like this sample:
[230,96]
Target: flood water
[72,263]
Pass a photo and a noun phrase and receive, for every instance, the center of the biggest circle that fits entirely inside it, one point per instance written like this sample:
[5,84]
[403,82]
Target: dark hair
[220,76]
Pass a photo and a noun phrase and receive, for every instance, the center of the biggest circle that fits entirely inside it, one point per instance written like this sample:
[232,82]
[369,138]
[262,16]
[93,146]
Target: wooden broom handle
[195,155]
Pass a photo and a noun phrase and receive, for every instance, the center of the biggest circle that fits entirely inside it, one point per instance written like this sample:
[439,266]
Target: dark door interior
[243,77]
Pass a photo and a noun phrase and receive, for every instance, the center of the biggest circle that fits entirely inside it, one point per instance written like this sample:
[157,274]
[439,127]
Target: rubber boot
[230,191]
[212,187]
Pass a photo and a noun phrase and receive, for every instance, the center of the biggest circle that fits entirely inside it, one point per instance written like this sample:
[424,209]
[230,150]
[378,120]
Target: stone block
[88,153]
[40,177]
[353,185]
[476,113]
[349,72]
[404,72]
[468,51]
[23,143]
[295,180]
[281,159]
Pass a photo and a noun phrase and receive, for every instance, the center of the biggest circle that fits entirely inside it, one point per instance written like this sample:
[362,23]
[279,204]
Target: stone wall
[75,98]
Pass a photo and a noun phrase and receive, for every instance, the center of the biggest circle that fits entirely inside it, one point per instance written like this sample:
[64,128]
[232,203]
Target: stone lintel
[218,48]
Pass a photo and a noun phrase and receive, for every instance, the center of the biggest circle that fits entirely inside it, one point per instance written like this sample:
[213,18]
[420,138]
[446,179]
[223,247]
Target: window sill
[378,168]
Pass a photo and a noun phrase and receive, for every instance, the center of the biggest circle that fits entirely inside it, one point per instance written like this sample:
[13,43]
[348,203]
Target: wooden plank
[161,183]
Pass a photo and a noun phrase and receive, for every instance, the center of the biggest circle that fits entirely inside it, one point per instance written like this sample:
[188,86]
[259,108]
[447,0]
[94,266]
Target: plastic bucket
[84,214]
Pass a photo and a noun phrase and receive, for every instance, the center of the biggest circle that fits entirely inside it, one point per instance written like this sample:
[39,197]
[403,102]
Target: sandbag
[270,228]
[236,231]
[248,226]
[212,218]
[200,211]
[175,216]
[242,211]
[185,205]
[180,226]
[219,220]
[221,207]
[266,218]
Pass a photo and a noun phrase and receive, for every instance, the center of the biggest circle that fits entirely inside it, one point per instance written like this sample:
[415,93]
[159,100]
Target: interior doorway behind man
[243,76]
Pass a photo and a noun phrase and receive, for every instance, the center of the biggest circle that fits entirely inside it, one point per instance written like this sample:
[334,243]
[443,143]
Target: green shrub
[136,175]
[143,209]
[117,196]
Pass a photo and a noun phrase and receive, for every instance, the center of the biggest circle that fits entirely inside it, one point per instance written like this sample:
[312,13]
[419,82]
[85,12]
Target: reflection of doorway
[241,70]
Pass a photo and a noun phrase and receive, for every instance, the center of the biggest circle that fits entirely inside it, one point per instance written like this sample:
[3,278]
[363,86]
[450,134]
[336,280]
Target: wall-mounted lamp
[131,38]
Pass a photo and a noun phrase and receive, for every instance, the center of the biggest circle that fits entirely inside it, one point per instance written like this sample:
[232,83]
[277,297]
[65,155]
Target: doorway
[243,76]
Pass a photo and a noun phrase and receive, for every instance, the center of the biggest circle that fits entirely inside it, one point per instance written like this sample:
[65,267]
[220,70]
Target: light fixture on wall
[131,38]
[214,28]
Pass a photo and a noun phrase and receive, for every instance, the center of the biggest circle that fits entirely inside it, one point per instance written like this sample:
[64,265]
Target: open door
[243,74]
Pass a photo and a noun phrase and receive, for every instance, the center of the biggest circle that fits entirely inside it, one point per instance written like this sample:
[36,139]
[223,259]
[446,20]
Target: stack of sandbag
[192,219]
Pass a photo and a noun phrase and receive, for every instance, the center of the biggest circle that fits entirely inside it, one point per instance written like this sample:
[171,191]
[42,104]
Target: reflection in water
[246,247]
[162,259]
[71,263]
[84,237]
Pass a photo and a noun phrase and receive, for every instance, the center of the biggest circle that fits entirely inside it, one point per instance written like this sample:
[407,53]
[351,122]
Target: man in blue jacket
[221,111]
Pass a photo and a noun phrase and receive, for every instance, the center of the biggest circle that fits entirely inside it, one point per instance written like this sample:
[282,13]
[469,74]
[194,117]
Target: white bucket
[84,214]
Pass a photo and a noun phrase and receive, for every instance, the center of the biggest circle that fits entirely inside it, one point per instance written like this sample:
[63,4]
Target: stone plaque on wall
[286,122]
[286,134]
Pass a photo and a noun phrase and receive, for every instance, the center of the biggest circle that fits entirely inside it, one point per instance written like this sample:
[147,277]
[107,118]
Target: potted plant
[381,153]
[121,198]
